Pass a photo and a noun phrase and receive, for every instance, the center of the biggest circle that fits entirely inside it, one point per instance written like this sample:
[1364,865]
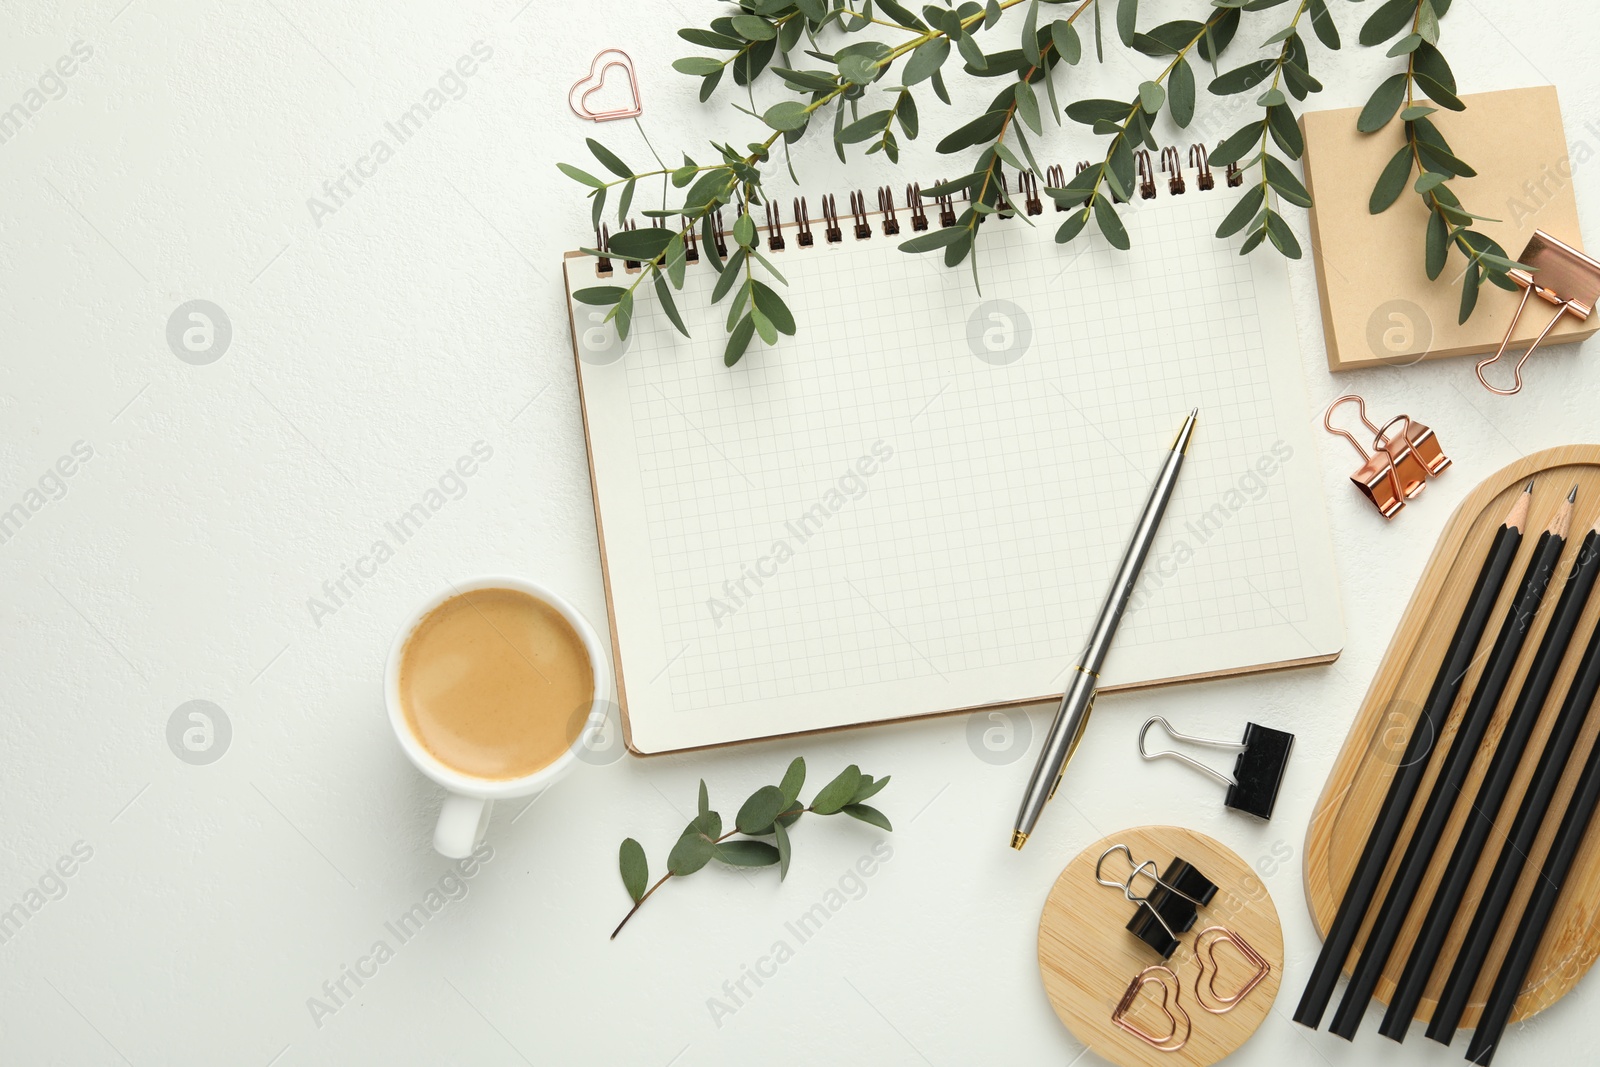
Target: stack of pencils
[1440,907]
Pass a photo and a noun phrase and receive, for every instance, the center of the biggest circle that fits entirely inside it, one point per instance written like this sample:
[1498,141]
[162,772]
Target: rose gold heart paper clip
[1204,950]
[583,88]
[1156,974]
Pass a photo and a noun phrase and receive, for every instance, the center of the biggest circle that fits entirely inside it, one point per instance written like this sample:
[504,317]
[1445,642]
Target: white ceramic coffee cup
[465,814]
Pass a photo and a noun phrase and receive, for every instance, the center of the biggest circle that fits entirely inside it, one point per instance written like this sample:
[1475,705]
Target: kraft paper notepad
[915,506]
[1378,305]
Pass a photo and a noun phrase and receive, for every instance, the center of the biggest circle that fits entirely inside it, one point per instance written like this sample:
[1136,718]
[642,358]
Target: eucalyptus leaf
[747,854]
[926,61]
[1384,102]
[1127,15]
[1283,180]
[635,868]
[1064,36]
[1243,211]
[794,779]
[705,799]
[771,304]
[698,65]
[1392,181]
[1105,216]
[580,175]
[1437,243]
[837,793]
[868,814]
[1389,19]
[664,294]
[758,813]
[1469,292]
[691,853]
[1180,93]
[1283,238]
[601,295]
[738,341]
[645,243]
[764,328]
[1072,226]
[786,115]
[780,839]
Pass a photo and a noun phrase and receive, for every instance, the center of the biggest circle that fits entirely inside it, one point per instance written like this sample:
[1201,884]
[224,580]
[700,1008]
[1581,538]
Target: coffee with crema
[495,683]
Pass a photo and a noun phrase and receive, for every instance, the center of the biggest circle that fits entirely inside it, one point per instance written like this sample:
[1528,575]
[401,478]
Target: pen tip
[1194,413]
[1018,839]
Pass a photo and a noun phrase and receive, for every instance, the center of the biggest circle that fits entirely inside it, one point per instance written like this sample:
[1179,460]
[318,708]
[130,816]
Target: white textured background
[368,353]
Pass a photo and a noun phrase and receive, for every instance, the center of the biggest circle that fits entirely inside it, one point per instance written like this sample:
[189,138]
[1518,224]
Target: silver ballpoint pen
[1073,713]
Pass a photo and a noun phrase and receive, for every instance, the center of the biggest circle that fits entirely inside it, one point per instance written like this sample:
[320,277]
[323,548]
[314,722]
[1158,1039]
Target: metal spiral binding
[718,235]
[1172,164]
[830,220]
[1200,160]
[691,250]
[1028,184]
[858,212]
[802,223]
[919,215]
[916,207]
[774,227]
[891,224]
[1147,174]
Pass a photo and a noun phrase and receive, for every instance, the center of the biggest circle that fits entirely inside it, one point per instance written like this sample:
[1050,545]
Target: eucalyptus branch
[1426,151]
[769,812]
[1289,69]
[1130,122]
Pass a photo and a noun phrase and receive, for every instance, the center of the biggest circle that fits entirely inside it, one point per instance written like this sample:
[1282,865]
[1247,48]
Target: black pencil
[1408,775]
[1441,911]
[1552,877]
[1453,770]
[1496,898]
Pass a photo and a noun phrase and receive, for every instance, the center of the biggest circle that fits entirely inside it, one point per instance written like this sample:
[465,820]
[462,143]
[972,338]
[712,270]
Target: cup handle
[462,821]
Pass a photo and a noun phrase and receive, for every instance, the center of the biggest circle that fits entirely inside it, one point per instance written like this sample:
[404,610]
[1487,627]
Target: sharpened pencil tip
[1529,487]
[1572,497]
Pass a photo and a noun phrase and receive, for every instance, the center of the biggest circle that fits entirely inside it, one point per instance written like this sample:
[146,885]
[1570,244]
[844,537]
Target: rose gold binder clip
[1178,1024]
[1567,278]
[1399,464]
[1205,951]
[582,89]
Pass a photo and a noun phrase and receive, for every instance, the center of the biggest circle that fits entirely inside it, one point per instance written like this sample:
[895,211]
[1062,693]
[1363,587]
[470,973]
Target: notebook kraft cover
[1378,305]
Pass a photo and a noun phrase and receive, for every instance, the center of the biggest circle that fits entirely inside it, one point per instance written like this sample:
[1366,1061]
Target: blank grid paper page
[916,504]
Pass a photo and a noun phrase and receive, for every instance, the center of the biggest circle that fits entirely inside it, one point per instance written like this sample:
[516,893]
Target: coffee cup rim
[449,777]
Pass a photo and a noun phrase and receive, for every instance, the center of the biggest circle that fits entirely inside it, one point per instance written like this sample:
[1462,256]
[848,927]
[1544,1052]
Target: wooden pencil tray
[1360,777]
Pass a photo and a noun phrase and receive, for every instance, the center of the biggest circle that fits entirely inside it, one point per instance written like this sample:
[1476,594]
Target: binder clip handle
[1568,279]
[1179,756]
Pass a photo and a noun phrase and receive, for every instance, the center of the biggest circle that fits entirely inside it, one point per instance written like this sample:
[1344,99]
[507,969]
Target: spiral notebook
[914,506]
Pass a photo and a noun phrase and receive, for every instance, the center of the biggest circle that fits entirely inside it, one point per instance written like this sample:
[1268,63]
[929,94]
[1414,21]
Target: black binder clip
[1170,908]
[1257,772]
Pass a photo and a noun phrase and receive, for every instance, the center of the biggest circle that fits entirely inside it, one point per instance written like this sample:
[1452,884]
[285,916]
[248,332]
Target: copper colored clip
[1178,1019]
[1567,278]
[919,214]
[582,89]
[774,227]
[1147,174]
[891,224]
[802,223]
[858,212]
[1172,165]
[1207,987]
[1394,471]
[830,220]
[1200,160]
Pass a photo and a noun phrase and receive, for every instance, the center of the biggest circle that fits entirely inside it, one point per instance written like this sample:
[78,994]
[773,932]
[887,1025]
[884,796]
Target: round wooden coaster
[1088,959]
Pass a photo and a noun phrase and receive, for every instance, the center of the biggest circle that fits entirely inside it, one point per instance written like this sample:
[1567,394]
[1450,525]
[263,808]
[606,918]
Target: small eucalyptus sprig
[1426,151]
[1291,70]
[769,812]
